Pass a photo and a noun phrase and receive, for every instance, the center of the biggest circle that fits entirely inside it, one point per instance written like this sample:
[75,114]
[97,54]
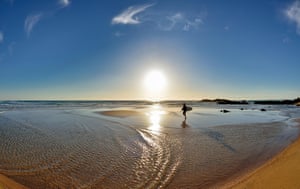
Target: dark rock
[225,101]
[278,102]
[225,111]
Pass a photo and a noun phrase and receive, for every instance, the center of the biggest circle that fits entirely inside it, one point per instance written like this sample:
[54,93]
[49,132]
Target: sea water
[73,144]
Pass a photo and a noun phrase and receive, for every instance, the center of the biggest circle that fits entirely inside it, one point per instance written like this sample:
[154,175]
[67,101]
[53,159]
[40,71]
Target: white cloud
[165,21]
[181,22]
[293,14]
[1,36]
[64,3]
[174,19]
[129,15]
[31,21]
[192,24]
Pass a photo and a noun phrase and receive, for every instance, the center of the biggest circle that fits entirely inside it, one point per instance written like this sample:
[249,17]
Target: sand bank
[120,113]
[280,172]
[6,183]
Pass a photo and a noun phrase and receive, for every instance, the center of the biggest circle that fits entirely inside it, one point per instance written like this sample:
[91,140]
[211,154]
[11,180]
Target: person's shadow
[184,124]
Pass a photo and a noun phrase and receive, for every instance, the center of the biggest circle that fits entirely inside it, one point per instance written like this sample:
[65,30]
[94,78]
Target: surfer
[184,109]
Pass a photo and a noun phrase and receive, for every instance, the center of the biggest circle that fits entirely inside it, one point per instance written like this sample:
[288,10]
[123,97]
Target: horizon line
[145,100]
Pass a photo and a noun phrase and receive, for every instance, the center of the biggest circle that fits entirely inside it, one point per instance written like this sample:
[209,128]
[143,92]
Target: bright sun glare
[155,82]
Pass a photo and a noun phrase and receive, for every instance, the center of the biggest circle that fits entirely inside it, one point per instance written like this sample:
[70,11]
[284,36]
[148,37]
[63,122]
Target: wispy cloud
[192,24]
[179,21]
[31,21]
[293,14]
[64,3]
[166,21]
[119,34]
[129,16]
[1,36]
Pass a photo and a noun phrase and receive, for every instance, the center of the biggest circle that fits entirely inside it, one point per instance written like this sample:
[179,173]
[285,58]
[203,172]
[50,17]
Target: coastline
[281,171]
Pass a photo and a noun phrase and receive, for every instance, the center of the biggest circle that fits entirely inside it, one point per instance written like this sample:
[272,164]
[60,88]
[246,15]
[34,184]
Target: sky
[103,50]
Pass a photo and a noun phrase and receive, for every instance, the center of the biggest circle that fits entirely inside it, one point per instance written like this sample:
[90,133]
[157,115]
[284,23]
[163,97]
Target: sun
[155,83]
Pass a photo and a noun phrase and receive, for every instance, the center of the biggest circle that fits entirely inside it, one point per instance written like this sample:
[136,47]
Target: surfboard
[188,108]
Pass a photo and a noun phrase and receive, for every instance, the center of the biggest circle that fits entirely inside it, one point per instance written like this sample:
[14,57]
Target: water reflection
[155,115]
[184,124]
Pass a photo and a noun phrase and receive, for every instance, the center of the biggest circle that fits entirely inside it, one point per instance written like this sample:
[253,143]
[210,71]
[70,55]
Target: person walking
[184,110]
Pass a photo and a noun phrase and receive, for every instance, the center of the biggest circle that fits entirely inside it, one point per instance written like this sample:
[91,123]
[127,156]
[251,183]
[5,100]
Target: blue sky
[75,49]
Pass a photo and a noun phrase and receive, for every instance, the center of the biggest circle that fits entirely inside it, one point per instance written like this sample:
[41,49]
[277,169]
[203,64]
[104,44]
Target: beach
[6,183]
[282,171]
[140,145]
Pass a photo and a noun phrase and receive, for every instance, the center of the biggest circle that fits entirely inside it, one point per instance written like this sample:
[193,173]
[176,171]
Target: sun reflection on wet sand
[155,115]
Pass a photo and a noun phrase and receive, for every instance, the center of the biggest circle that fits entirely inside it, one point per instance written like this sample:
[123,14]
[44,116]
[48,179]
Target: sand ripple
[79,149]
[73,152]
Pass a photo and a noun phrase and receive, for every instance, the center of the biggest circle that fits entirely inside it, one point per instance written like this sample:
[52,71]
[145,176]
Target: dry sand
[280,172]
[6,183]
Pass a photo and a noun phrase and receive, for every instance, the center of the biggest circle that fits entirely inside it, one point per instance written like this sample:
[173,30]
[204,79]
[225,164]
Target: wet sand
[282,171]
[149,148]
[6,183]
[120,113]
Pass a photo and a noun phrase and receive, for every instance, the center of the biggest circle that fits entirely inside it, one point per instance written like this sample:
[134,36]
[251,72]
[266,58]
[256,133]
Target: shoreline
[281,171]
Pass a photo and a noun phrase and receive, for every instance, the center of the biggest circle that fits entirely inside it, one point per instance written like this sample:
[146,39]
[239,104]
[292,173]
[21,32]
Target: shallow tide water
[138,146]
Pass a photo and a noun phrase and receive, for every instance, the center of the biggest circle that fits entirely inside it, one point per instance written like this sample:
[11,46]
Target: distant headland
[262,102]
